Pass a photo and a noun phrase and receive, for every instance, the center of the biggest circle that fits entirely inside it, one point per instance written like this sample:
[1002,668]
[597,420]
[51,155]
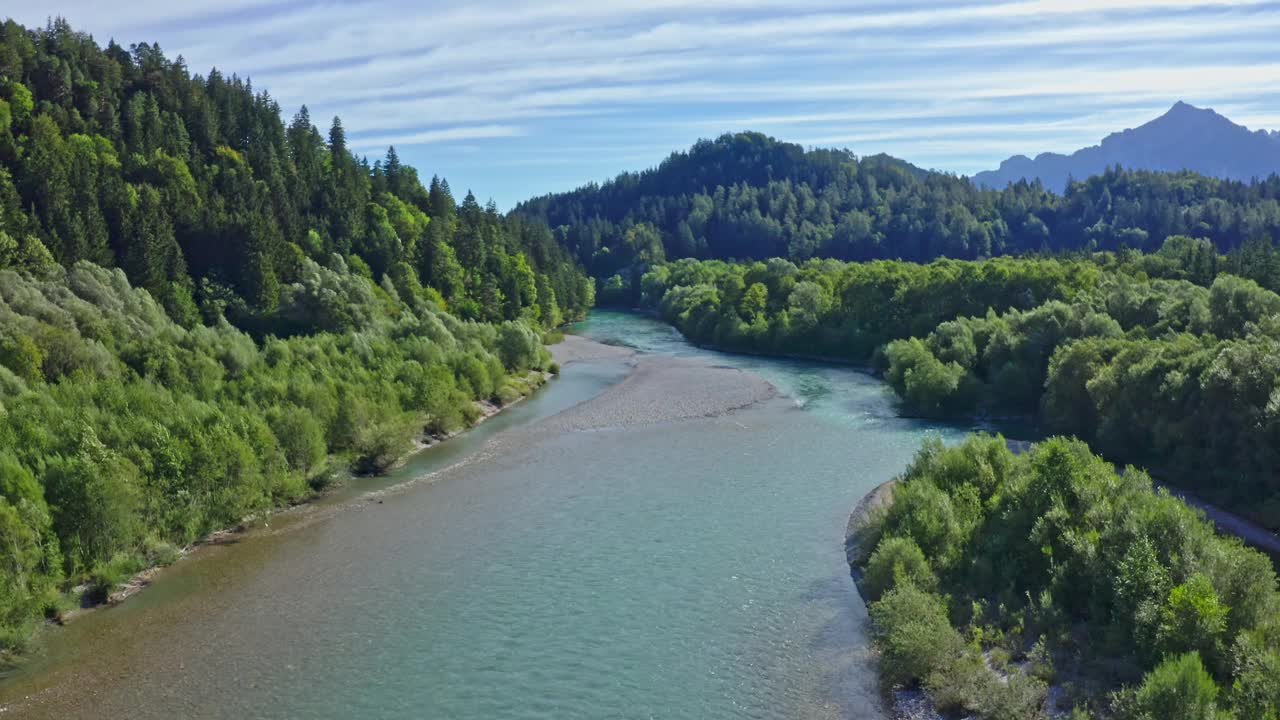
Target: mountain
[1184,138]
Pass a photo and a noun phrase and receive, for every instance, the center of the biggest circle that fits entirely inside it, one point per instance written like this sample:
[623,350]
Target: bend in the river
[656,534]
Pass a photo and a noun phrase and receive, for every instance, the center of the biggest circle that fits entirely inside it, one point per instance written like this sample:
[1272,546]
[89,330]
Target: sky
[515,100]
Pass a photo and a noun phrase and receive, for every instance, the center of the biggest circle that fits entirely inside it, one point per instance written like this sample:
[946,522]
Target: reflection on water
[691,570]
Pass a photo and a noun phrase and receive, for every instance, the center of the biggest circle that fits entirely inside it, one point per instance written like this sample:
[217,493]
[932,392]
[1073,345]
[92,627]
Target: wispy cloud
[573,89]
[426,137]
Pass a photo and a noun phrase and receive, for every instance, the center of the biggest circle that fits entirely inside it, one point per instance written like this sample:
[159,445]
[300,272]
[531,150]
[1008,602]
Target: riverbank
[286,576]
[903,703]
[855,546]
[82,597]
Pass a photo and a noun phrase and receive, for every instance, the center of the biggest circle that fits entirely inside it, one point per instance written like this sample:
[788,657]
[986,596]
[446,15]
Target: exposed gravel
[574,348]
[666,389]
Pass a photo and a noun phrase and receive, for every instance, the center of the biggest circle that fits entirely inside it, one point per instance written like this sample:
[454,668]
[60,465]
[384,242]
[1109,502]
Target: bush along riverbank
[125,436]
[88,597]
[1049,585]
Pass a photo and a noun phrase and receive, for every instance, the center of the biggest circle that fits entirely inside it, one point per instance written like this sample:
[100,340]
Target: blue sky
[517,99]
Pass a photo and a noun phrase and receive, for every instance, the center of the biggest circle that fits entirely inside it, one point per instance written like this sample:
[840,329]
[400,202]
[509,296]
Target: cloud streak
[565,89]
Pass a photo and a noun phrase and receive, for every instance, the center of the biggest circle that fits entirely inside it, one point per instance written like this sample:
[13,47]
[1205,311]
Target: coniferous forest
[203,196]
[203,308]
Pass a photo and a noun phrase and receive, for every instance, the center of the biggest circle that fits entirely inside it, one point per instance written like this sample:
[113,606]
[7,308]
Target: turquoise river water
[690,569]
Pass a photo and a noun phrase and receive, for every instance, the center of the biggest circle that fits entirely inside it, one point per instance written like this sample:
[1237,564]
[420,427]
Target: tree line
[993,576]
[750,197]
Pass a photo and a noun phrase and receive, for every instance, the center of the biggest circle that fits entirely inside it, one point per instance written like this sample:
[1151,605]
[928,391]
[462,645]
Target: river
[570,558]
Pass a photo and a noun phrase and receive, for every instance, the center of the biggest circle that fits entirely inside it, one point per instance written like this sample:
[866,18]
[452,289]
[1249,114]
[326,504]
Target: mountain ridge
[1185,137]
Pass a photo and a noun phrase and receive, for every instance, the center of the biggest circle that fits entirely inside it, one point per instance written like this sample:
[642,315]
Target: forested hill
[204,196]
[289,310]
[749,196]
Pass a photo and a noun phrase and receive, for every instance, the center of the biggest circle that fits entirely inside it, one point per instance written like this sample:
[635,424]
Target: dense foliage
[1176,377]
[991,575]
[123,434]
[197,189]
[204,313]
[846,310]
[748,196]
[1159,360]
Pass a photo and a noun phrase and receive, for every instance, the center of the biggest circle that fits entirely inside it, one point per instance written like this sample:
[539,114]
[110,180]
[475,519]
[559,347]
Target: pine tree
[442,204]
[394,172]
[338,142]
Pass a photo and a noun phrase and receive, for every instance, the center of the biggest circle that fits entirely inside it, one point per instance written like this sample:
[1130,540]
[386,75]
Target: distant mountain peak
[1184,112]
[1185,137]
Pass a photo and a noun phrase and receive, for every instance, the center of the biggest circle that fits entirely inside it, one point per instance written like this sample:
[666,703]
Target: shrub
[960,682]
[1180,688]
[301,439]
[925,514]
[1192,619]
[158,552]
[509,393]
[518,346]
[913,634]
[475,373]
[1255,694]
[379,445]
[107,576]
[894,561]
[1020,697]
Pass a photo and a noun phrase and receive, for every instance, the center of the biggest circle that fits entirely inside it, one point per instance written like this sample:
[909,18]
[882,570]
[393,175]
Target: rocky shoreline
[902,703]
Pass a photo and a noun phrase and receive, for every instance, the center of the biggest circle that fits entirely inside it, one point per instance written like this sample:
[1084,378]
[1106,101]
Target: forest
[1166,360]
[206,314]
[197,189]
[1005,585]
[751,197]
